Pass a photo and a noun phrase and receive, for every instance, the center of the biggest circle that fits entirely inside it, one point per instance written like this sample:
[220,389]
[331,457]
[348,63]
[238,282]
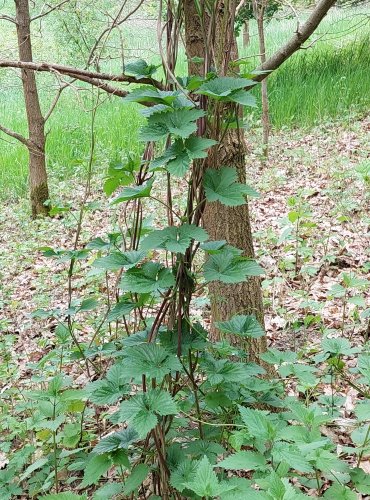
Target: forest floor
[320,174]
[311,226]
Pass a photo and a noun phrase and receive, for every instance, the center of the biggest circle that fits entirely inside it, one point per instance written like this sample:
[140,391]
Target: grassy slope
[327,81]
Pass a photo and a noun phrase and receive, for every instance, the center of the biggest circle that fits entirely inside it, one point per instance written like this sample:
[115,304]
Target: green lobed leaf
[107,392]
[135,479]
[275,357]
[243,460]
[132,193]
[122,308]
[88,304]
[221,370]
[227,267]
[95,468]
[151,360]
[245,326]
[358,300]
[143,409]
[183,474]
[362,411]
[244,98]
[120,173]
[201,447]
[215,399]
[119,260]
[179,165]
[179,122]
[361,480]
[338,491]
[282,452]
[221,87]
[111,388]
[100,244]
[118,440]
[151,94]
[205,482]
[34,466]
[178,156]
[258,424]
[212,247]
[243,491]
[222,185]
[337,346]
[150,277]
[197,146]
[363,365]
[174,239]
[108,491]
[326,461]
[311,417]
[140,69]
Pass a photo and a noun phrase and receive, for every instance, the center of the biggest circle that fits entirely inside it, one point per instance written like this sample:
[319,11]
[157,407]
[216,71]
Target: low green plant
[297,227]
[348,292]
[160,408]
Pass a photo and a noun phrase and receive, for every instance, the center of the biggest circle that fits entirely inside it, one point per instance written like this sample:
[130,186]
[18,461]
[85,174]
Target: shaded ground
[317,169]
[311,227]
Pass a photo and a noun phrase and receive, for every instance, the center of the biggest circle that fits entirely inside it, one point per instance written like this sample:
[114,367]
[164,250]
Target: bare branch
[80,74]
[55,101]
[106,31]
[15,135]
[103,86]
[297,40]
[8,18]
[116,22]
[42,14]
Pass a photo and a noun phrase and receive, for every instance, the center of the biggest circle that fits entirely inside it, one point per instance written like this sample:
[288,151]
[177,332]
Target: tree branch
[80,74]
[103,86]
[42,14]
[15,135]
[8,18]
[297,40]
[115,24]
[94,78]
[55,101]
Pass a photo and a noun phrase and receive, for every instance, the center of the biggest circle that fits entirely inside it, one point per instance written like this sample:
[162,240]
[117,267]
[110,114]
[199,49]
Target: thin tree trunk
[220,221]
[39,192]
[259,12]
[246,37]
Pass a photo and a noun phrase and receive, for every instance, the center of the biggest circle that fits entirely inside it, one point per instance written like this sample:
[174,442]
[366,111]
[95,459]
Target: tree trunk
[39,192]
[246,37]
[259,13]
[233,225]
[220,221]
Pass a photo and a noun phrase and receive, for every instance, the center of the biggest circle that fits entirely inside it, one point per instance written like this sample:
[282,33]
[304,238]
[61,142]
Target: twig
[43,14]
[4,17]
[17,136]
[55,101]
[80,74]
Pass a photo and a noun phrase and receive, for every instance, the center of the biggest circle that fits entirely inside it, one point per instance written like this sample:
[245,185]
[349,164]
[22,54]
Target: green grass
[320,85]
[68,140]
[330,80]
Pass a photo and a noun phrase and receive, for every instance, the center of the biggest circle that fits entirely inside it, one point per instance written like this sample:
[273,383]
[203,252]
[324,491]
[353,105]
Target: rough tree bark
[220,221]
[39,191]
